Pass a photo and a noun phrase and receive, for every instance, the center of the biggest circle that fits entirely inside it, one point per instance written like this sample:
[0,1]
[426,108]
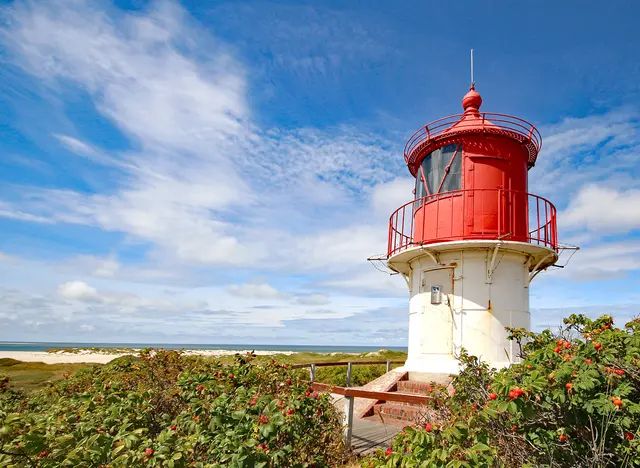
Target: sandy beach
[62,357]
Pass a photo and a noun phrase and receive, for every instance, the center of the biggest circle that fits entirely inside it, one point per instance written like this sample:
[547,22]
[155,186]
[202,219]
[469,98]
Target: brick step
[416,388]
[404,413]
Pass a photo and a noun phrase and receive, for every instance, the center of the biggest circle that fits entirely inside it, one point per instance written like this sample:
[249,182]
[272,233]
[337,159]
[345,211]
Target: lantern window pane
[434,167]
[453,179]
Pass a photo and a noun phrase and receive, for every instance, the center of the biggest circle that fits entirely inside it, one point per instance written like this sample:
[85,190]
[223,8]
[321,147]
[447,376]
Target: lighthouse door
[437,316]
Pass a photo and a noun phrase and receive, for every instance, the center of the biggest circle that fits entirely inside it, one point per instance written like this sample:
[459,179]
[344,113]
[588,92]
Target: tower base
[463,296]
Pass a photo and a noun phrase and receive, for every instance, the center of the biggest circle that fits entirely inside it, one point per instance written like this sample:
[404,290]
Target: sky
[219,172]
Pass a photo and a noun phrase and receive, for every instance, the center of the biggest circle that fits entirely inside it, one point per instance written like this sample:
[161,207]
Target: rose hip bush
[573,401]
[165,409]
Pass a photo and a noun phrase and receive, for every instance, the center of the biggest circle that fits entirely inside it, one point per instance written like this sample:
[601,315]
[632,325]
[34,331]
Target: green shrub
[573,401]
[164,409]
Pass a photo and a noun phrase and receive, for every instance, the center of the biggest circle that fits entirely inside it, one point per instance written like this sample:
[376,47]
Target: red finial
[472,101]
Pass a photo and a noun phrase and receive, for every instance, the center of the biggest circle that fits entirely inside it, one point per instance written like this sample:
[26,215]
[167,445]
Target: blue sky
[218,172]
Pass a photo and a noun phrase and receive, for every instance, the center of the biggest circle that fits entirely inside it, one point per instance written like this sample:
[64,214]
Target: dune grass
[30,376]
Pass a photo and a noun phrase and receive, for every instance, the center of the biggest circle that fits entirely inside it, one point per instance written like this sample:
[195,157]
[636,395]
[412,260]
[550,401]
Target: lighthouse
[472,239]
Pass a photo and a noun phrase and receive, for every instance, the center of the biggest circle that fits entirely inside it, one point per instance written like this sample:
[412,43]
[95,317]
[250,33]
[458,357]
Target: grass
[30,376]
[337,375]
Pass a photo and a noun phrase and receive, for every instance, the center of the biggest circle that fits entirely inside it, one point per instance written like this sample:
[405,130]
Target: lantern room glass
[440,171]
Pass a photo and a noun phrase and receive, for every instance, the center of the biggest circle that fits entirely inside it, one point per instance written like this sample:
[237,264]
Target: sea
[44,346]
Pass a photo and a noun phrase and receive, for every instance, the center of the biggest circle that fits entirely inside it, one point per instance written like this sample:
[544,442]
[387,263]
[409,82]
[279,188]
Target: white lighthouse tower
[472,239]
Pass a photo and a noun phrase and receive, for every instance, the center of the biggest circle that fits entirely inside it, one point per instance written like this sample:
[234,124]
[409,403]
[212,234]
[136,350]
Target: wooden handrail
[344,363]
[373,395]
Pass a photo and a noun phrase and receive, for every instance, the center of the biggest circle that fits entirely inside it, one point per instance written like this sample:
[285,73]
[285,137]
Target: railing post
[500,212]
[349,374]
[348,430]
[389,249]
[312,372]
[388,366]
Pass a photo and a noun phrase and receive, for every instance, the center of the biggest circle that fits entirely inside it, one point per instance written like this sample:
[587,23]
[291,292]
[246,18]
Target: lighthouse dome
[472,100]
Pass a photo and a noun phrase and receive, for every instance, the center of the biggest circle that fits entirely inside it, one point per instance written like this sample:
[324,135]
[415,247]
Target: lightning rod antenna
[472,80]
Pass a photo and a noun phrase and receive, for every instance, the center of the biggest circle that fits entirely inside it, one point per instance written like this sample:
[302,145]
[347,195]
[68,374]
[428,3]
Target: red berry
[560,342]
[43,454]
[200,388]
[629,436]
[619,371]
[512,394]
[288,381]
[100,430]
[318,413]
[588,361]
[107,387]
[556,349]
[568,385]
[597,346]
[289,411]
[173,428]
[618,403]
[307,394]
[492,396]
[389,451]
[231,376]
[253,402]
[475,406]
[148,452]
[607,326]
[563,437]
[514,428]
[428,427]
[567,345]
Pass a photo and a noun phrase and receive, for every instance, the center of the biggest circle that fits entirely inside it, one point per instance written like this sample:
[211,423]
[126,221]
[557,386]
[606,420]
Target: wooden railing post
[312,371]
[388,366]
[348,430]
[349,374]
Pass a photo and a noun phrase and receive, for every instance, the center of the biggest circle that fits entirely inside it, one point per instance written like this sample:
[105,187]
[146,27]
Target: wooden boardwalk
[370,435]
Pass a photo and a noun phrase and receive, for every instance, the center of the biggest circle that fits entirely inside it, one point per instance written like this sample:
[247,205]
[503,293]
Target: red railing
[473,214]
[484,122]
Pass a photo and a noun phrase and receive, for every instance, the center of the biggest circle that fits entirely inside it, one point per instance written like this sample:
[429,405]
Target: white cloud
[390,196]
[76,145]
[370,282]
[200,163]
[603,210]
[22,216]
[598,148]
[108,268]
[7,258]
[85,327]
[182,113]
[78,291]
[255,291]
[313,299]
[603,261]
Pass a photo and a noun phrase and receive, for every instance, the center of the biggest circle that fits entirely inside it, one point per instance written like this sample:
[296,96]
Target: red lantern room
[471,182]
